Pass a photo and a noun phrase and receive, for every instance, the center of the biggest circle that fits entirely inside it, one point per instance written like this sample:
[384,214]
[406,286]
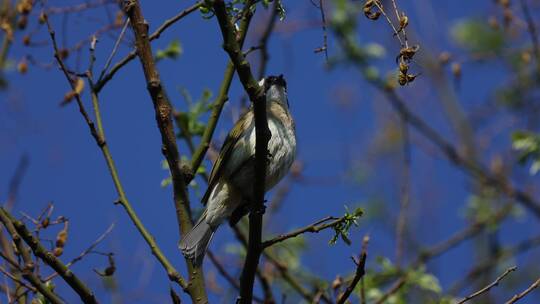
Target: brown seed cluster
[373,9]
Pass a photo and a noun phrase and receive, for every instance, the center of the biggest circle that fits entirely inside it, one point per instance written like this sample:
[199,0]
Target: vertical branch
[217,106]
[99,136]
[163,110]
[263,41]
[405,192]
[257,97]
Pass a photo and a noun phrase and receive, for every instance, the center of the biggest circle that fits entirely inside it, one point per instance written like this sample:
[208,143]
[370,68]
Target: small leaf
[172,51]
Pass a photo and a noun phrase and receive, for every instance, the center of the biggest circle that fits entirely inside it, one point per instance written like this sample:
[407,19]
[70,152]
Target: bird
[230,186]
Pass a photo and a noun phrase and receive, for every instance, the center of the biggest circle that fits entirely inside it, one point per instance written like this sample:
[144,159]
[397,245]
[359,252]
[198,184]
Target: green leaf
[528,145]
[172,51]
[429,282]
[477,36]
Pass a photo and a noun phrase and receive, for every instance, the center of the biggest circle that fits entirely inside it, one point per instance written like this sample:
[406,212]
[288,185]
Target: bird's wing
[244,123]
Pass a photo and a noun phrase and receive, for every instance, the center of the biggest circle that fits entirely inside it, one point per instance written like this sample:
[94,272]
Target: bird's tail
[195,242]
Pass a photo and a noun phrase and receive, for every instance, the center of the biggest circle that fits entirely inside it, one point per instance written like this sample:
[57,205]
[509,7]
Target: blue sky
[67,168]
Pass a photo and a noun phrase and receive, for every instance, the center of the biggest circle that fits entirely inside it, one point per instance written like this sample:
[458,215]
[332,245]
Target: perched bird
[230,187]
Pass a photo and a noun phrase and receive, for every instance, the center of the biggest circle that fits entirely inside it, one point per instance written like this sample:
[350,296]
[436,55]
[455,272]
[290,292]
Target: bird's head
[275,88]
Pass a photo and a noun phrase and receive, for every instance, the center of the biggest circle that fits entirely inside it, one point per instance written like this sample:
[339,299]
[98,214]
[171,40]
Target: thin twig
[488,287]
[99,137]
[402,29]
[257,97]
[313,228]
[27,271]
[521,295]
[219,102]
[15,181]
[359,274]
[86,295]
[16,280]
[85,252]
[444,246]
[383,12]
[163,114]
[470,167]
[155,35]
[489,264]
[324,47]
[405,193]
[114,50]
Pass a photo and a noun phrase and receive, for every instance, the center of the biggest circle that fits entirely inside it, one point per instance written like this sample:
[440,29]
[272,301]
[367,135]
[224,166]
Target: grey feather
[195,242]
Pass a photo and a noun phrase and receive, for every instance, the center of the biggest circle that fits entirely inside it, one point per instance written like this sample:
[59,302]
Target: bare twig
[85,252]
[444,246]
[257,97]
[313,228]
[99,136]
[27,269]
[163,114]
[155,35]
[284,272]
[488,287]
[470,167]
[79,7]
[15,182]
[16,280]
[502,255]
[521,295]
[359,274]
[265,37]
[114,50]
[324,47]
[405,193]
[219,102]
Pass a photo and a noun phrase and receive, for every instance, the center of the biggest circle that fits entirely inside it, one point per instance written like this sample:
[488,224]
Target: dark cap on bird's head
[274,80]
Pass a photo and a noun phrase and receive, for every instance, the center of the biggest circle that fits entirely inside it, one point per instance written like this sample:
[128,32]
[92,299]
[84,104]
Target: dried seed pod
[369,7]
[508,17]
[526,57]
[63,53]
[456,70]
[444,58]
[8,29]
[24,7]
[493,23]
[62,236]
[26,40]
[22,66]
[407,53]
[45,222]
[22,22]
[403,67]
[42,18]
[403,22]
[58,251]
[337,283]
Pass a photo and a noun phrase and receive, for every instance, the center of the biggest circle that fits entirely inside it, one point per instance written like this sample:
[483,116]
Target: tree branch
[17,231]
[521,295]
[360,272]
[313,228]
[99,136]
[257,97]
[470,167]
[217,106]
[163,111]
[155,35]
[487,288]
